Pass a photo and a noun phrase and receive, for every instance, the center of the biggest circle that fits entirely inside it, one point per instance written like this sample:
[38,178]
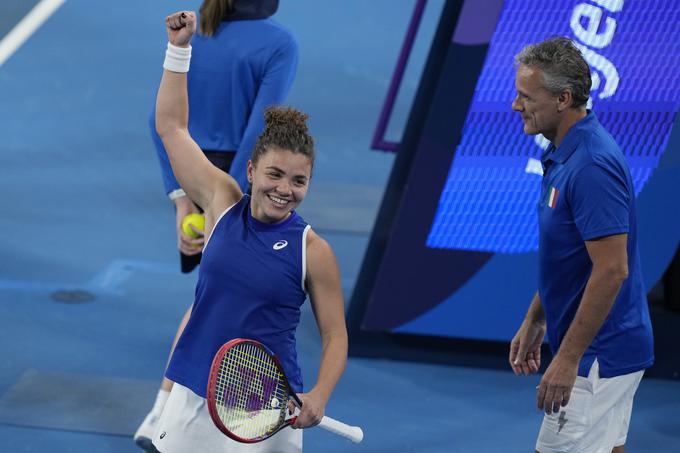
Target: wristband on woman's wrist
[177,59]
[177,193]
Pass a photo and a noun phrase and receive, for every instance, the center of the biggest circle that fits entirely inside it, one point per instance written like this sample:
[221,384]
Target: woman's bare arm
[198,177]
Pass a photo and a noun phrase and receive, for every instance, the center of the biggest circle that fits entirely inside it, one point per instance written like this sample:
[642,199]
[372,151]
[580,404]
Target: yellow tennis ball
[197,220]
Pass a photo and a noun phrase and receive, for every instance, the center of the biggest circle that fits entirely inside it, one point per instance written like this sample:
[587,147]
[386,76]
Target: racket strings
[251,396]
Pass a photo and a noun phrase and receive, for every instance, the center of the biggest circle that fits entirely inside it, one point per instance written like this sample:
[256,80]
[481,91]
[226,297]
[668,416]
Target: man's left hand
[556,385]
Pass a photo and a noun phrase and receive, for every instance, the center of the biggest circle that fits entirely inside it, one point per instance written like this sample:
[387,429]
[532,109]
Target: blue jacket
[246,66]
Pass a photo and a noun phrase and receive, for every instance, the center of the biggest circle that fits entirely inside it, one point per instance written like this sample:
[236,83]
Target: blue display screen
[489,201]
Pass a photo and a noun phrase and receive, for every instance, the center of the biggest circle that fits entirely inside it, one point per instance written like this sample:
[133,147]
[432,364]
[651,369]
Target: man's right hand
[525,348]
[186,244]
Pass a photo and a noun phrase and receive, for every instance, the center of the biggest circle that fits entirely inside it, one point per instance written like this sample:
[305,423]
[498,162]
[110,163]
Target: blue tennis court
[90,289]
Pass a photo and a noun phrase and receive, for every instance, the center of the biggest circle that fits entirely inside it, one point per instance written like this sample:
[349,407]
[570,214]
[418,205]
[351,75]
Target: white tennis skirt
[185,425]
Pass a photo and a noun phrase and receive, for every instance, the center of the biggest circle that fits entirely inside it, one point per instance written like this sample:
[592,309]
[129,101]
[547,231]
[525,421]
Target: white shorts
[596,418]
[185,425]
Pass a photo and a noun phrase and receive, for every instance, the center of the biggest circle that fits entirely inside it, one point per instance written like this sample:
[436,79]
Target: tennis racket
[248,395]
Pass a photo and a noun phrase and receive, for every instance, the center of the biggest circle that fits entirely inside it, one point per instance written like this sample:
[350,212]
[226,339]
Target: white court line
[26,27]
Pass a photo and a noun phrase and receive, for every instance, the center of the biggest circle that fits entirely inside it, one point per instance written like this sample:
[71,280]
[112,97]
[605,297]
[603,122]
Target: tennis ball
[197,220]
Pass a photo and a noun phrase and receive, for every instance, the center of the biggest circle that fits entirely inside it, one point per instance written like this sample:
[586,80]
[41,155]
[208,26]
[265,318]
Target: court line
[26,27]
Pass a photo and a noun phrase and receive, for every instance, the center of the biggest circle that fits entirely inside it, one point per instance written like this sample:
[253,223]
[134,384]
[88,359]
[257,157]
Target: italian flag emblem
[552,197]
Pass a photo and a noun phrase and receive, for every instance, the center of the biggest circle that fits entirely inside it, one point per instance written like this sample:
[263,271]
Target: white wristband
[177,193]
[177,59]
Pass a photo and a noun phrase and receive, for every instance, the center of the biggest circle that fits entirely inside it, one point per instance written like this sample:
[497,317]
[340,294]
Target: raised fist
[181,27]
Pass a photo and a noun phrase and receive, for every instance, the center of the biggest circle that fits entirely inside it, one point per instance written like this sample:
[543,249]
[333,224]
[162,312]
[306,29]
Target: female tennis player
[260,261]
[237,44]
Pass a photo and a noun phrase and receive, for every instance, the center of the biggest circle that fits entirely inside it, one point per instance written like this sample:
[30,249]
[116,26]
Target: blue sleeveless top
[250,285]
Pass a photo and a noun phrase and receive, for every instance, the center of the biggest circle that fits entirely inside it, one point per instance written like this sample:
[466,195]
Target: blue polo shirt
[587,193]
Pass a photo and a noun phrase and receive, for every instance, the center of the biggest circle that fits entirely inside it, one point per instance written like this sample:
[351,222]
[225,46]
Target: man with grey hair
[591,300]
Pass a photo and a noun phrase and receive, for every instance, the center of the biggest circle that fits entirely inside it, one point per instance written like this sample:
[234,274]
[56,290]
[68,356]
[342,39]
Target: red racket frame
[212,381]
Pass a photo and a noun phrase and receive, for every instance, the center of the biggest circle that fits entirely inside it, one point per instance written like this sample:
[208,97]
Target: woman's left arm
[325,293]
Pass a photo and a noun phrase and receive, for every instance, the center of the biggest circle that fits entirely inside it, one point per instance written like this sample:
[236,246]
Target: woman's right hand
[180,27]
[186,244]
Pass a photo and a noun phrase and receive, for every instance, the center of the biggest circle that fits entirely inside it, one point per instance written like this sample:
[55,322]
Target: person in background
[591,300]
[243,61]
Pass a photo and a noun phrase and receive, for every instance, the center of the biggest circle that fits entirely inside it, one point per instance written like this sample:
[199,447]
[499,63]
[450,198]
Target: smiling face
[279,179]
[538,107]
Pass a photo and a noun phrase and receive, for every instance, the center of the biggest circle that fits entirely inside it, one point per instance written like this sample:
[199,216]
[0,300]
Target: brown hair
[212,14]
[285,128]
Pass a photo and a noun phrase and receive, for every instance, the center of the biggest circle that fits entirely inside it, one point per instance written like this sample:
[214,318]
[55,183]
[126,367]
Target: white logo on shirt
[279,245]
